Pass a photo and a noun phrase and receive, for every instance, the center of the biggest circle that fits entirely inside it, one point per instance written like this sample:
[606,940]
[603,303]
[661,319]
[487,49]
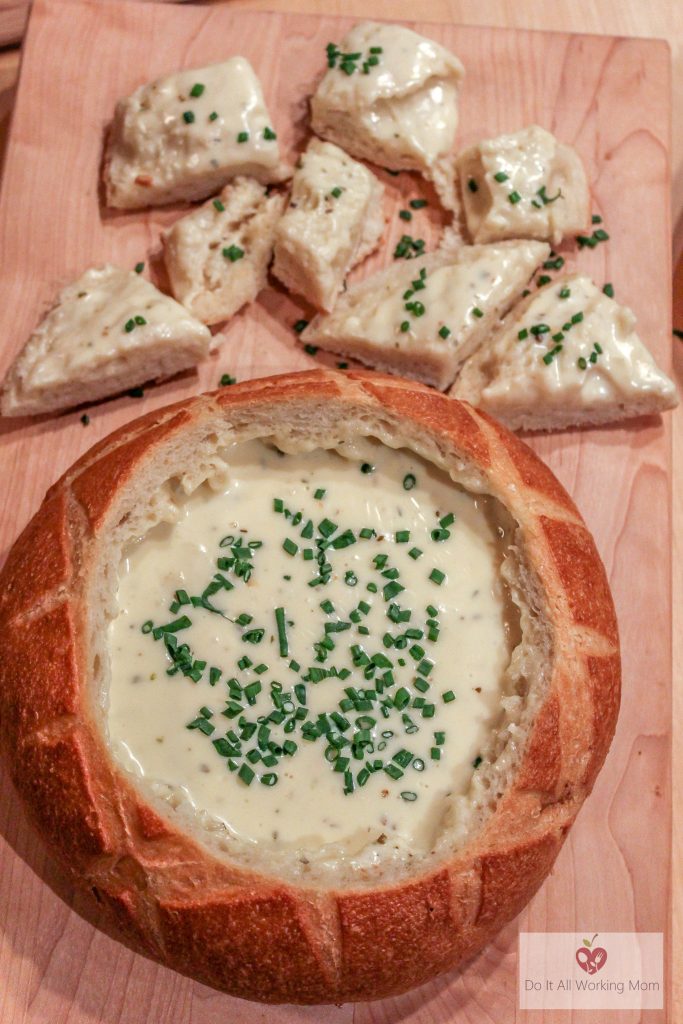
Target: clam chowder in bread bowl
[306,681]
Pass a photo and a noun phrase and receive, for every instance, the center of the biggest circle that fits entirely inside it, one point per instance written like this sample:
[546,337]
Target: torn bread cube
[184,136]
[523,185]
[423,317]
[217,256]
[333,220]
[391,96]
[108,331]
[568,355]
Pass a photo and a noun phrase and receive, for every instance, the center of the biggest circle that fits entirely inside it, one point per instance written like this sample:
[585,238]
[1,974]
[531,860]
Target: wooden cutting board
[611,99]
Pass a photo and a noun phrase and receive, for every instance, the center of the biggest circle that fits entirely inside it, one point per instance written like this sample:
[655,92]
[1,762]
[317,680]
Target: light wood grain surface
[610,99]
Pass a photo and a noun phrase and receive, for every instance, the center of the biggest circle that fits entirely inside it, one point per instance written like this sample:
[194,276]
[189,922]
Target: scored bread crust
[250,933]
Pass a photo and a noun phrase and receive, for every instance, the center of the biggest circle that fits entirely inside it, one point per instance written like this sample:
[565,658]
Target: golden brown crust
[248,934]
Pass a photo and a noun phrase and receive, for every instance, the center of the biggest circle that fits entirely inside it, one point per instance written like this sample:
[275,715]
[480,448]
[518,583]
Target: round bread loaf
[273,932]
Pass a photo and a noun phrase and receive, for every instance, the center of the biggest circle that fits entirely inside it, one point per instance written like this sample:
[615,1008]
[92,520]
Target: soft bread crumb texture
[268,932]
[523,185]
[182,137]
[333,220]
[108,331]
[399,106]
[567,355]
[217,256]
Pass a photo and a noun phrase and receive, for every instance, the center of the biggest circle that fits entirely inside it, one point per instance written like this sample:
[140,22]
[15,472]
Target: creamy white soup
[315,654]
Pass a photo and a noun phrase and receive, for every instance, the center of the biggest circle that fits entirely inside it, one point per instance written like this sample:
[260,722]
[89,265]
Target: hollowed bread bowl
[271,931]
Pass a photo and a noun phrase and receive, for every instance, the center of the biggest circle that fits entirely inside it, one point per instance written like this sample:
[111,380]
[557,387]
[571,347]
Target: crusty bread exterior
[272,935]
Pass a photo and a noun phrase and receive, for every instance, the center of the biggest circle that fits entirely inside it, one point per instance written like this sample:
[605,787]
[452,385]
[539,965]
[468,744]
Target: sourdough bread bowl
[278,923]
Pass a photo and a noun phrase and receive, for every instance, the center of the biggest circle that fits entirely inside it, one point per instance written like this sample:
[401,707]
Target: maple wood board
[14,15]
[608,97]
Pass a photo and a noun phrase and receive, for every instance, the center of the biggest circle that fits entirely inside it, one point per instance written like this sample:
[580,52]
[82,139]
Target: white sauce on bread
[184,135]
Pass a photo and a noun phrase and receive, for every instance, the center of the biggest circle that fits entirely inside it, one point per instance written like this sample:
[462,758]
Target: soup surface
[315,654]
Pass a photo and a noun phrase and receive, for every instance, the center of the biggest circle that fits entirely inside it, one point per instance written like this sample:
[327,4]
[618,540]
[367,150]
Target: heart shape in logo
[591,960]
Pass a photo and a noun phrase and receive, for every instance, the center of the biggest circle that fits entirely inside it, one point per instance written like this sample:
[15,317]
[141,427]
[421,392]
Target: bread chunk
[523,185]
[395,103]
[333,221]
[108,331]
[424,317]
[217,256]
[567,356]
[183,136]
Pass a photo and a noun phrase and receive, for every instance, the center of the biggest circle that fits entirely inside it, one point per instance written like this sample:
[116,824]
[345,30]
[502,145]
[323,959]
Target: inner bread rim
[274,933]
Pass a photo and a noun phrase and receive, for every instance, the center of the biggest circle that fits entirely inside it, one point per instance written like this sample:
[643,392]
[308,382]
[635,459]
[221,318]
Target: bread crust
[249,934]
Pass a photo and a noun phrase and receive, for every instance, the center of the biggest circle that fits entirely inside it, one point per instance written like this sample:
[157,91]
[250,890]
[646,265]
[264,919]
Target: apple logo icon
[591,959]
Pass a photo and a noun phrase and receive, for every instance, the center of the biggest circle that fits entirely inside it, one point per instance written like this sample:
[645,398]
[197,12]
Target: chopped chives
[197,89]
[501,176]
[219,205]
[188,116]
[233,253]
[514,198]
[436,576]
[242,137]
[282,632]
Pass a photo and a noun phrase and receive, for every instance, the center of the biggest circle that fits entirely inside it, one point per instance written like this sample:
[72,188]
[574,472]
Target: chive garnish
[300,326]
[409,481]
[269,135]
[188,116]
[219,205]
[197,89]
[233,253]
[242,137]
